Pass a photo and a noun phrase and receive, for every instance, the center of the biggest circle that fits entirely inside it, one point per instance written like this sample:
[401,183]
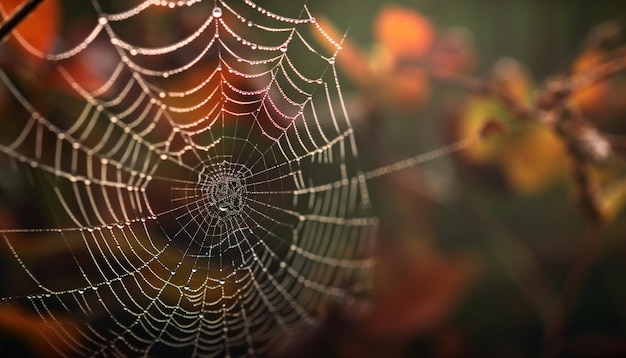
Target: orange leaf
[404,32]
[37,32]
[593,98]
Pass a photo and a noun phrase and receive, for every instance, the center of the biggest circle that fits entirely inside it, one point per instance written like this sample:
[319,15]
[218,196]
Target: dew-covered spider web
[203,198]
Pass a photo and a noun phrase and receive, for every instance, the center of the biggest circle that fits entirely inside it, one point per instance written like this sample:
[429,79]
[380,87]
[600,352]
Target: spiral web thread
[205,199]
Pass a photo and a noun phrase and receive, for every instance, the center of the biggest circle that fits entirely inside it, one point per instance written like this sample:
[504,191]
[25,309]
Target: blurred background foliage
[485,252]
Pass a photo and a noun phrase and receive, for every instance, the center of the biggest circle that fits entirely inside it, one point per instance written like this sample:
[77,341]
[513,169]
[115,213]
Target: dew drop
[331,60]
[250,23]
[161,94]
[217,12]
[222,282]
[103,21]
[283,48]
[133,52]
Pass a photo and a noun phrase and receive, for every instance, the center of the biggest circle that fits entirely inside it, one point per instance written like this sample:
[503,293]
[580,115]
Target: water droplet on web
[166,75]
[312,20]
[217,12]
[161,94]
[283,48]
[103,21]
[250,23]
[222,282]
[133,52]
[331,60]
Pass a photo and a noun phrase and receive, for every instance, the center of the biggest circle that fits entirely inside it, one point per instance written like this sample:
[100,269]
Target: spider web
[205,199]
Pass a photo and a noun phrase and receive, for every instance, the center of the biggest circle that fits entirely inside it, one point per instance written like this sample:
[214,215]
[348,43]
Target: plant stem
[18,16]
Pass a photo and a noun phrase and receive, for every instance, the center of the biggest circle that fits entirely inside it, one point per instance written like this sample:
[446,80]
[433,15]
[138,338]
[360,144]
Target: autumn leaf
[403,31]
[38,31]
[533,159]
[590,99]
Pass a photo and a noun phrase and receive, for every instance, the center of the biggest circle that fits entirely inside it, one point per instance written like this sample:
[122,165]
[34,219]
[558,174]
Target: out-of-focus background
[487,251]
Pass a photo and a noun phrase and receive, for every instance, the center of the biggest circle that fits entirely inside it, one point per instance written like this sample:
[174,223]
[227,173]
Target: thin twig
[18,16]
